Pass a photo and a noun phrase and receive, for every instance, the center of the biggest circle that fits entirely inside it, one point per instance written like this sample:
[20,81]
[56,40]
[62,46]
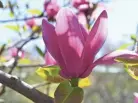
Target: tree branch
[24,88]
[22,19]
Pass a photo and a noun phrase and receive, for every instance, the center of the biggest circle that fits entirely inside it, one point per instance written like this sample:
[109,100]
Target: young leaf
[50,73]
[36,28]
[125,46]
[39,51]
[24,61]
[85,82]
[132,71]
[34,11]
[13,27]
[11,14]
[67,94]
[2,59]
[128,61]
[134,37]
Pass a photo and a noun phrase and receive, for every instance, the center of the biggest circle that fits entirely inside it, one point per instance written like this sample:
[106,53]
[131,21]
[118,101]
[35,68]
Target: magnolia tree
[72,34]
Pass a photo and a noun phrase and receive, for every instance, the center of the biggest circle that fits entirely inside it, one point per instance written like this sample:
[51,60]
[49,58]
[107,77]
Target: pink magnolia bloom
[51,8]
[80,4]
[136,97]
[74,49]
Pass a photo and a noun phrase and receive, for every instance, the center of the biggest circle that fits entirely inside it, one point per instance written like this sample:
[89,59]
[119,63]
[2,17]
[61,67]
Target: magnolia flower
[13,52]
[73,49]
[51,8]
[80,4]
[136,97]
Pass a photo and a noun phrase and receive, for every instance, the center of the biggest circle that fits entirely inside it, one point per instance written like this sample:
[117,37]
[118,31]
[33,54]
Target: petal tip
[44,21]
[104,14]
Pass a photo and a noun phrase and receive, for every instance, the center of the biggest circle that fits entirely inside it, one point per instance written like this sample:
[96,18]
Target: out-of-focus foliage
[50,74]
[34,11]
[85,82]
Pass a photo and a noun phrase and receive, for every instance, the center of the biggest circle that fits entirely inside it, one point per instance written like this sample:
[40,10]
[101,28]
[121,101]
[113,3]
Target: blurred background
[22,49]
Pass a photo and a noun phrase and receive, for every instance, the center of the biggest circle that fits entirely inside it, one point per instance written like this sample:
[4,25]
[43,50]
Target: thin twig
[24,66]
[40,84]
[22,19]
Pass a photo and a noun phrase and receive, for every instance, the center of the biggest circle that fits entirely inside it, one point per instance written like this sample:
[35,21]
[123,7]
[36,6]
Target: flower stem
[74,82]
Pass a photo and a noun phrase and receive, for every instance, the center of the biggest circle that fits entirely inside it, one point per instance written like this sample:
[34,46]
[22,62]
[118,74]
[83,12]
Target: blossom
[13,52]
[81,4]
[136,97]
[73,48]
[30,23]
[51,8]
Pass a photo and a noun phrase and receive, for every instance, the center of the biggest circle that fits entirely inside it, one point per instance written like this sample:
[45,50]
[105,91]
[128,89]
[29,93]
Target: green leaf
[39,51]
[125,46]
[50,73]
[85,82]
[134,37]
[130,65]
[34,11]
[128,61]
[13,27]
[24,61]
[132,71]
[67,94]
[1,5]
[3,59]
[11,14]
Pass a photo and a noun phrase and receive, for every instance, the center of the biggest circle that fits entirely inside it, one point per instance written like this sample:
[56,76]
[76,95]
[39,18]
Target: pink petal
[71,40]
[82,19]
[84,32]
[77,3]
[136,97]
[99,8]
[52,8]
[64,73]
[109,59]
[95,40]
[50,40]
[83,7]
[49,60]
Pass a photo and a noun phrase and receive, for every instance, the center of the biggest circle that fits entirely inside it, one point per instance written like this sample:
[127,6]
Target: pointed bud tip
[104,14]
[44,21]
